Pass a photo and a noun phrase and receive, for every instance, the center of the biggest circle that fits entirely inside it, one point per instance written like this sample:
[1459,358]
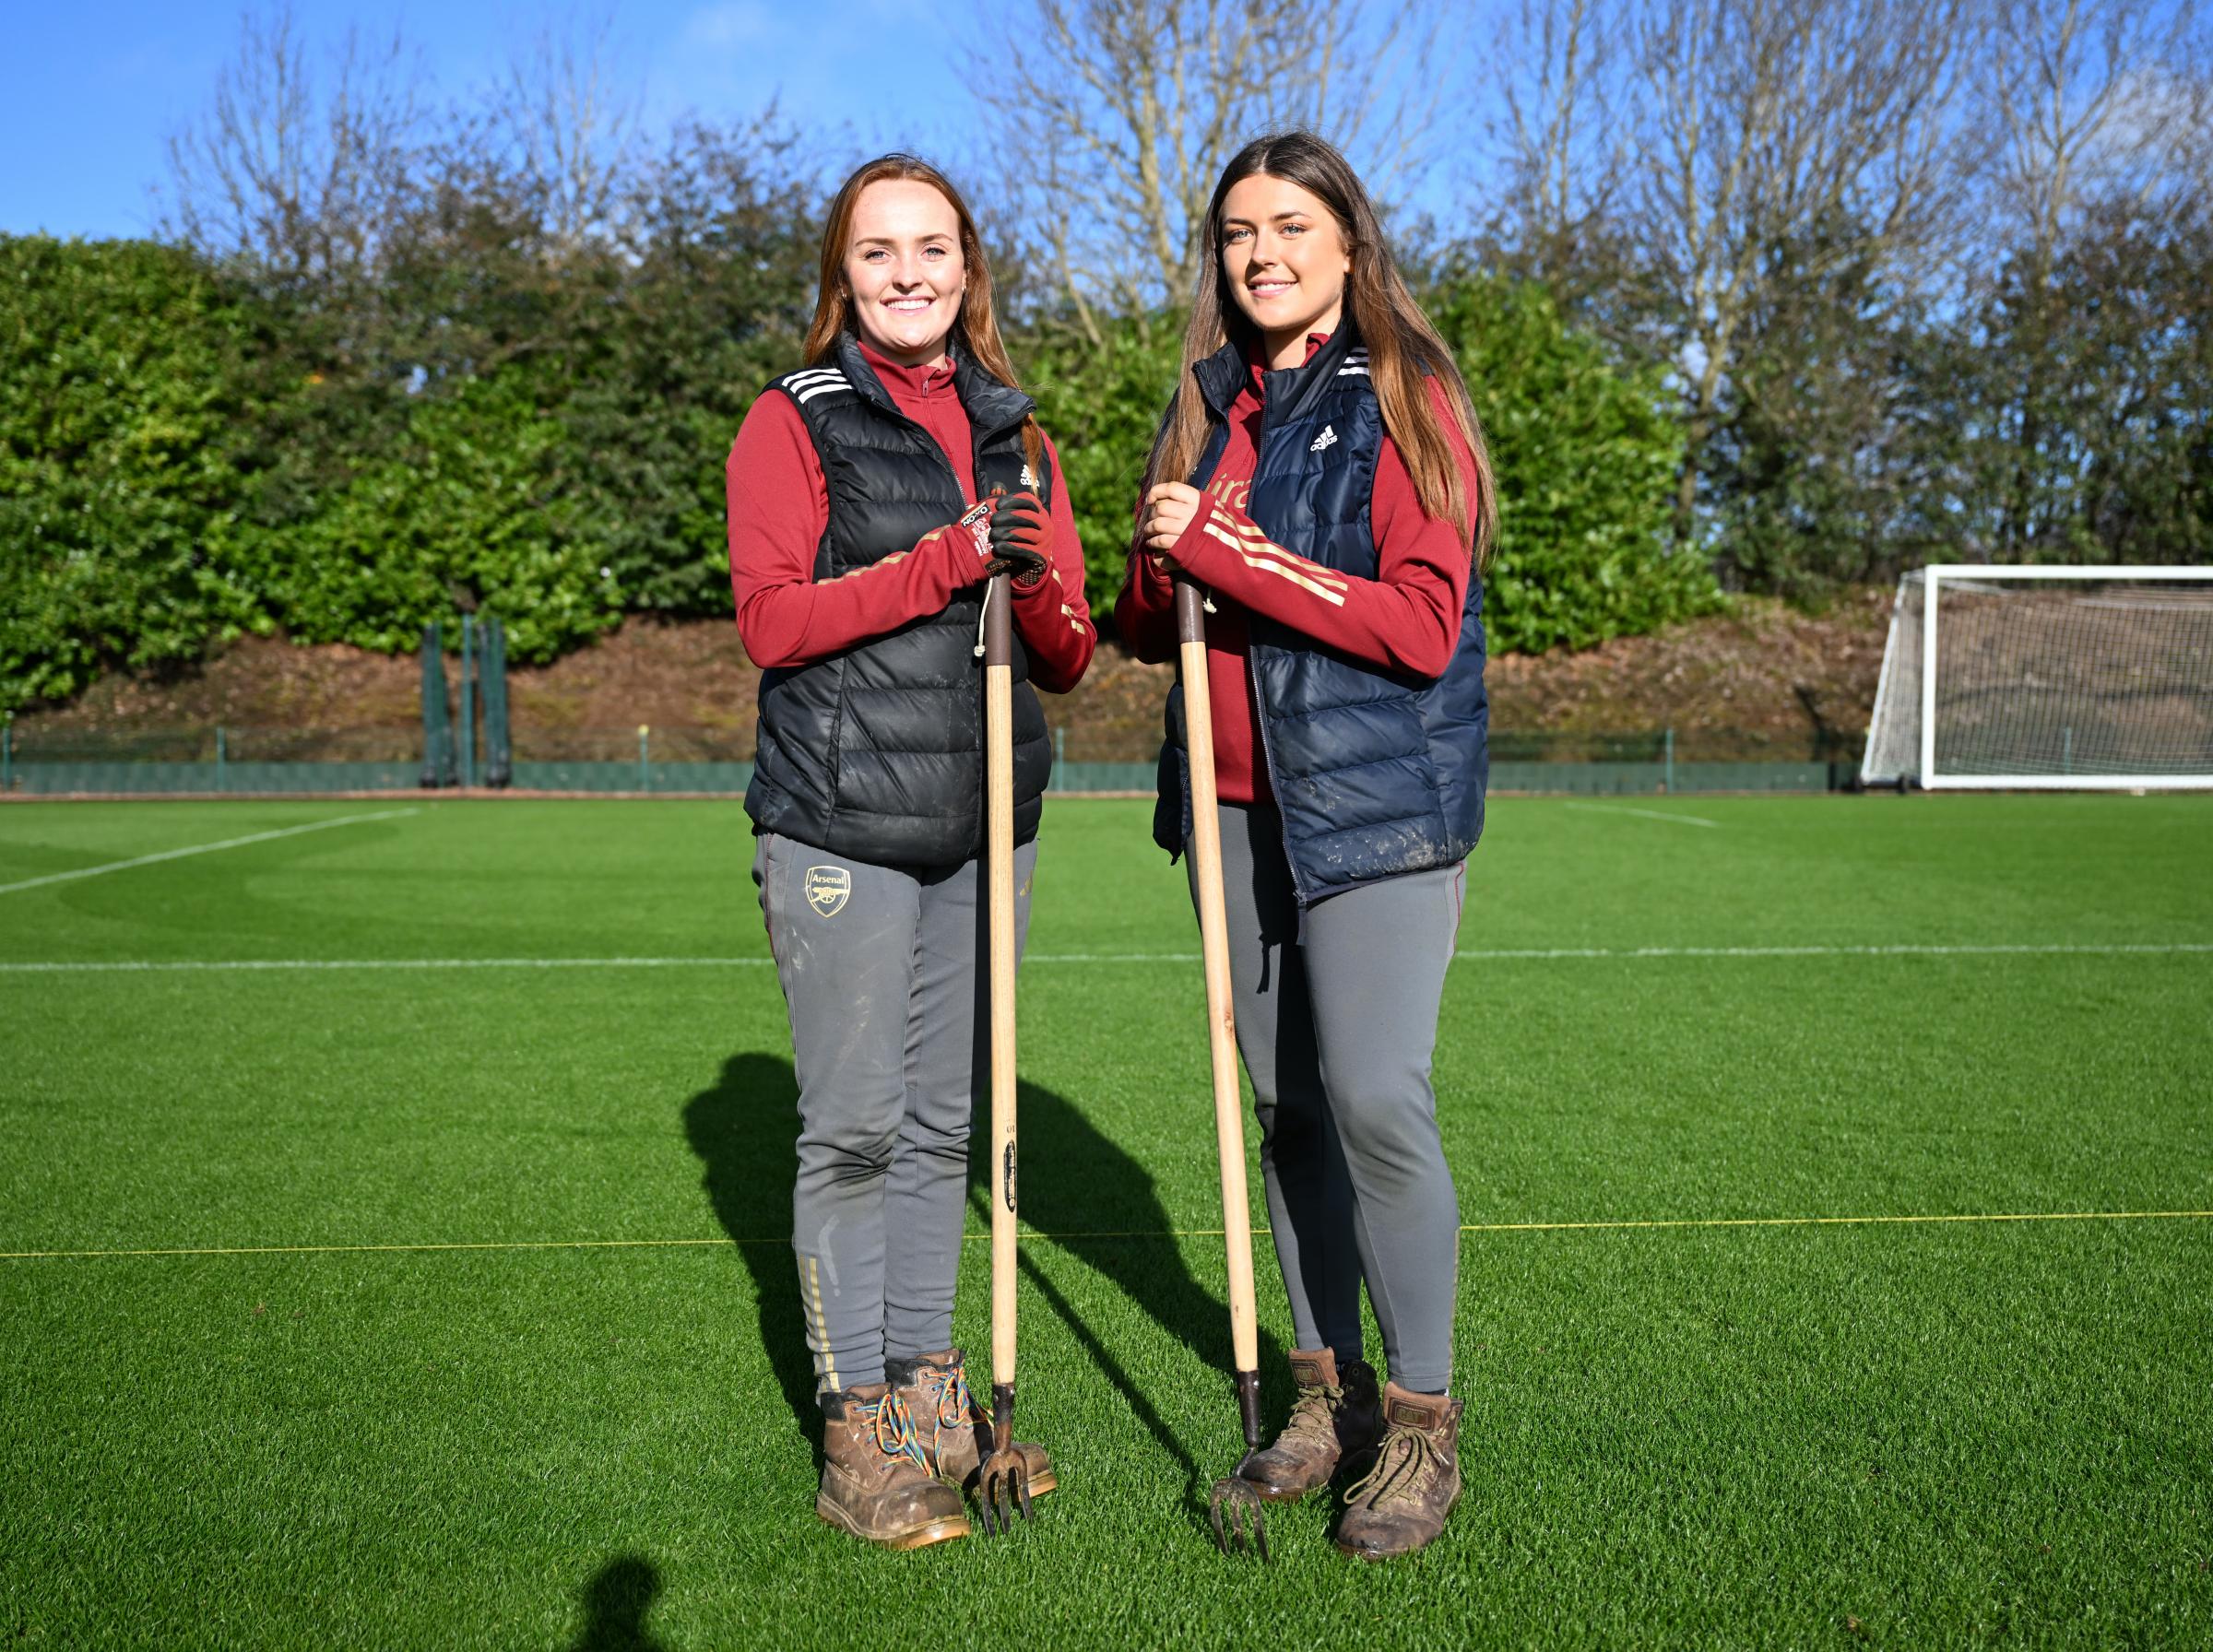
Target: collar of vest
[991,406]
[1286,393]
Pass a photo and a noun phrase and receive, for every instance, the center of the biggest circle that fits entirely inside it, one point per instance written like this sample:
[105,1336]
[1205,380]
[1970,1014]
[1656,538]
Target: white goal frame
[1934,576]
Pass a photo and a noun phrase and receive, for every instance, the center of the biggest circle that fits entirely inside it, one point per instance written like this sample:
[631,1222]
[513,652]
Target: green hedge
[124,413]
[471,508]
[183,457]
[1586,454]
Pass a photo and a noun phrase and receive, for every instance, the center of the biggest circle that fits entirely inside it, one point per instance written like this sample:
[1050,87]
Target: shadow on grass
[746,1132]
[615,1603]
[1100,1205]
[1092,1198]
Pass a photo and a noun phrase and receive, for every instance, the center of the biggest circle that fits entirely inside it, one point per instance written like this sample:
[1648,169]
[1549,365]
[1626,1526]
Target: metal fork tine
[1239,1519]
[1002,1491]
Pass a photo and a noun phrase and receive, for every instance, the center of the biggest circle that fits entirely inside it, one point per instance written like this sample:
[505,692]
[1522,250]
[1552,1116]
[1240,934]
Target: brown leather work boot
[1332,1421]
[953,1431]
[1401,1503]
[874,1482]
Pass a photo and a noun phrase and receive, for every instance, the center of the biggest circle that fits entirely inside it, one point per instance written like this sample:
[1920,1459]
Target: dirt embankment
[1766,677]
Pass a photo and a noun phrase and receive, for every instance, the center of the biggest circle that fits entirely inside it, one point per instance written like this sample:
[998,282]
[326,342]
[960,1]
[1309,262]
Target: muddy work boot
[953,1431]
[1402,1502]
[1335,1420]
[875,1483]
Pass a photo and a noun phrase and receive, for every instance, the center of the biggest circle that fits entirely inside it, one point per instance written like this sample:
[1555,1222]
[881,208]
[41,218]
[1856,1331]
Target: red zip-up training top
[780,508]
[1406,619]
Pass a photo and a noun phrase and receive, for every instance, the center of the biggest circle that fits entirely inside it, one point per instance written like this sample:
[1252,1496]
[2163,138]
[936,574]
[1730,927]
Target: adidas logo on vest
[810,382]
[1328,434]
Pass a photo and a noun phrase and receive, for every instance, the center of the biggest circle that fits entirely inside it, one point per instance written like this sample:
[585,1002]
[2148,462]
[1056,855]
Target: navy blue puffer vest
[1377,773]
[876,752]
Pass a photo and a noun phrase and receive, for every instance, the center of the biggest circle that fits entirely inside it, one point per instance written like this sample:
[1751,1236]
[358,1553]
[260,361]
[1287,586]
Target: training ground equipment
[1234,1506]
[437,722]
[2046,678]
[1003,1479]
[492,666]
[483,678]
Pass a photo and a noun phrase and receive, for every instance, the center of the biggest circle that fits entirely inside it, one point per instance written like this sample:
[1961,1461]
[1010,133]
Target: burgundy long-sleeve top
[1406,619]
[780,508]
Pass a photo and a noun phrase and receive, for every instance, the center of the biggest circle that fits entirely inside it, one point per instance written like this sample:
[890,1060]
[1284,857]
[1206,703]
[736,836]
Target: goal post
[2046,678]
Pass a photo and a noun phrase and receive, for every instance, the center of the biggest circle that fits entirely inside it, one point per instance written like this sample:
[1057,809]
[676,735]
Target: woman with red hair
[872,494]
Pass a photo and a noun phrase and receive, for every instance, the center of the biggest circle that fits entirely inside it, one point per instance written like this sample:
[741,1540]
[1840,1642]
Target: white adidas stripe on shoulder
[805,385]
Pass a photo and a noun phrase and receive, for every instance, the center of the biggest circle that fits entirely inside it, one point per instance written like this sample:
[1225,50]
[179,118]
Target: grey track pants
[1337,1025]
[883,974]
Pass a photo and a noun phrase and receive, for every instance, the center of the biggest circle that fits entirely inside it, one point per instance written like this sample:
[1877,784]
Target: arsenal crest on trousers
[827,888]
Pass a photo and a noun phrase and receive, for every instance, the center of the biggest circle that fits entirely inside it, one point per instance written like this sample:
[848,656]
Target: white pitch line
[1648,814]
[229,843]
[1624,1224]
[386,963]
[1498,954]
[2023,950]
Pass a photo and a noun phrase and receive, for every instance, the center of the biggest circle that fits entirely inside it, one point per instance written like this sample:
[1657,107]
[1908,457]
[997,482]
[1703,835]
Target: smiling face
[904,270]
[1286,262]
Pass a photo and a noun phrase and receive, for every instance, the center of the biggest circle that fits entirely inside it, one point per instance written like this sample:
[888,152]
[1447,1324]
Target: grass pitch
[440,1305]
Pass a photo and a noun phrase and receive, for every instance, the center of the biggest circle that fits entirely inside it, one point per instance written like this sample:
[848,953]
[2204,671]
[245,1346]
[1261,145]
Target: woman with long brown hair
[1321,476]
[872,493]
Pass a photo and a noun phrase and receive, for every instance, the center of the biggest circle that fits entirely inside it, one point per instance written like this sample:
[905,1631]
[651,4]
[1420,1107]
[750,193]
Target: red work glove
[1022,539]
[968,539]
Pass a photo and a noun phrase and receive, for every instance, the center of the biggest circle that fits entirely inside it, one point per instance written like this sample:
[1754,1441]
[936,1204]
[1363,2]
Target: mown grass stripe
[1644,814]
[229,843]
[1620,1225]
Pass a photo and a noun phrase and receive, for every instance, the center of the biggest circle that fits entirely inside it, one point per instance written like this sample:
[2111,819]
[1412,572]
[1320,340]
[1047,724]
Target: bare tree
[2097,107]
[1118,115]
[571,122]
[1783,140]
[1565,155]
[2094,99]
[294,165]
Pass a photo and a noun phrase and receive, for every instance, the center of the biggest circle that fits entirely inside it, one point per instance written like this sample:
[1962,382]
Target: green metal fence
[640,760]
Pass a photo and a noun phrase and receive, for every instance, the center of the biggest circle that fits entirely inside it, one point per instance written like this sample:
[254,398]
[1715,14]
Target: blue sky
[89,93]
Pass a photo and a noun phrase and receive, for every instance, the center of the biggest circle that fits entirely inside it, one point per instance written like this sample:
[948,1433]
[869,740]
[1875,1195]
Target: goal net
[2046,678]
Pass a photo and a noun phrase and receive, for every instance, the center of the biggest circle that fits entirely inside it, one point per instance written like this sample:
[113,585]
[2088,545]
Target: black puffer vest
[877,751]
[1377,773]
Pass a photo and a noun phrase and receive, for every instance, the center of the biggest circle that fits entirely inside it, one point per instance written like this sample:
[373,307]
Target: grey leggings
[884,978]
[1337,1026]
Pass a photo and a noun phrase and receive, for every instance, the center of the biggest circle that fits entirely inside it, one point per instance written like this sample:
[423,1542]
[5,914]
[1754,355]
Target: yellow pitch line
[326,1250]
[1695,1221]
[1820,1221]
[1472,1227]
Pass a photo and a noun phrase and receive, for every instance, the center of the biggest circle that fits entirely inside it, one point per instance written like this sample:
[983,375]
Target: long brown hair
[975,326]
[1403,346]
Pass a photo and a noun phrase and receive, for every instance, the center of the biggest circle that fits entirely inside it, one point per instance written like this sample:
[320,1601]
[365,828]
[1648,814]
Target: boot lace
[945,1403]
[1401,1470]
[894,1428]
[954,1405]
[1314,1412]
